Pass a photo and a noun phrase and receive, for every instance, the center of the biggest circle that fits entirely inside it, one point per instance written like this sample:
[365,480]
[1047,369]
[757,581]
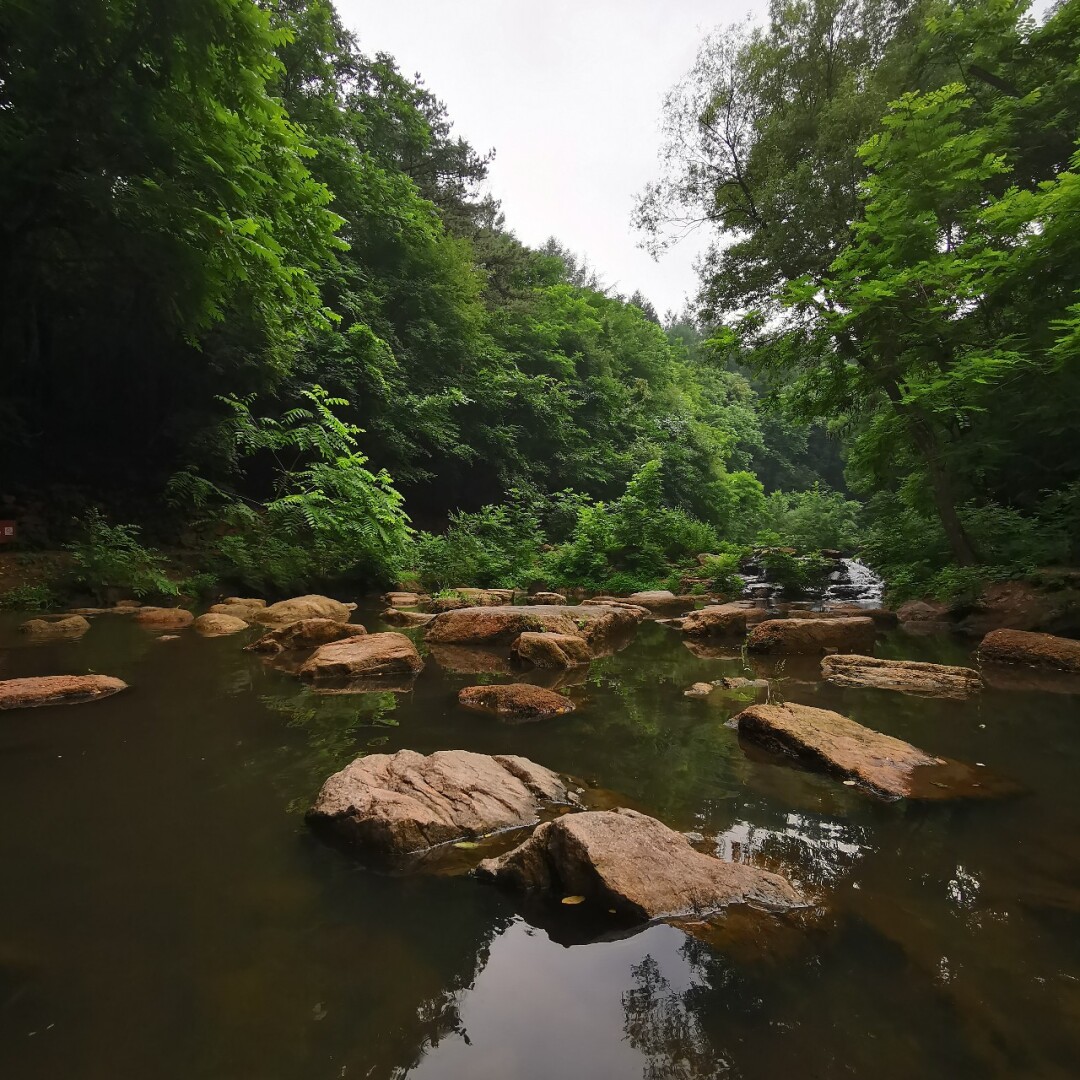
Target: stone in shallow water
[515,701]
[395,804]
[905,676]
[407,619]
[55,627]
[215,624]
[306,634]
[551,650]
[851,635]
[158,618]
[57,690]
[501,625]
[718,620]
[635,864]
[311,606]
[369,654]
[1031,650]
[699,689]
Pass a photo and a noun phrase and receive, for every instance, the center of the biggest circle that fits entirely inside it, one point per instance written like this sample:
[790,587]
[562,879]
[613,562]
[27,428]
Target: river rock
[369,654]
[57,690]
[699,689]
[164,618]
[214,624]
[812,635]
[408,619]
[471,660]
[403,599]
[883,617]
[515,701]
[635,864]
[923,611]
[906,676]
[1030,649]
[551,650]
[405,802]
[238,609]
[547,598]
[311,606]
[718,620]
[616,602]
[55,627]
[306,634]
[740,682]
[501,625]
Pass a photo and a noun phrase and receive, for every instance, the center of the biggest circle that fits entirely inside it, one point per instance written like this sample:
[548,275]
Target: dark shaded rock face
[551,650]
[515,701]
[905,676]
[395,804]
[366,655]
[57,690]
[306,634]
[1030,650]
[812,635]
[634,864]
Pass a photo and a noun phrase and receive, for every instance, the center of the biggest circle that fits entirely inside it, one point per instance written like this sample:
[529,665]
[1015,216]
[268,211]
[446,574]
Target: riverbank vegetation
[259,304]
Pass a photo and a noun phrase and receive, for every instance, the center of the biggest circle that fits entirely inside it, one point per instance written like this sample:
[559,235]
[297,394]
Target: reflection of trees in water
[660,1023]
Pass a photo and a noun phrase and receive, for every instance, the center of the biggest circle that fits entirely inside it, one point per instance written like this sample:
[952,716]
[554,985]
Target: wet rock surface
[850,635]
[155,618]
[551,650]
[395,804]
[547,598]
[215,624]
[1031,650]
[55,627]
[699,689]
[502,624]
[471,660]
[515,701]
[720,620]
[635,864]
[57,690]
[306,634]
[311,606]
[407,619]
[905,676]
[238,608]
[363,656]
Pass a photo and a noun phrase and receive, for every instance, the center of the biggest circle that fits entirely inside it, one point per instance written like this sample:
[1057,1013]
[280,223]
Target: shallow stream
[165,912]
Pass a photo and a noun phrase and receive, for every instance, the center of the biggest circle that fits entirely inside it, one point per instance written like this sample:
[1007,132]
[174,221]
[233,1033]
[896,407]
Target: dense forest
[260,313]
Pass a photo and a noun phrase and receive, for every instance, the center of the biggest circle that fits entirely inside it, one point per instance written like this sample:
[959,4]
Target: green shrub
[814,519]
[795,574]
[110,556]
[39,597]
[722,570]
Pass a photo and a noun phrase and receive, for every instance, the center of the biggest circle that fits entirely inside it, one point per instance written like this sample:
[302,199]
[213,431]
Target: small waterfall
[855,581]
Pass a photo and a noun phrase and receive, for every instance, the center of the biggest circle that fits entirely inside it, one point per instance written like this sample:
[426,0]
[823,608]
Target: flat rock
[879,763]
[162,618]
[515,701]
[214,624]
[55,627]
[237,609]
[882,616]
[306,634]
[369,654]
[408,619]
[501,625]
[547,598]
[718,620]
[740,682]
[57,690]
[311,606]
[1031,650]
[403,598]
[394,804]
[854,635]
[551,650]
[905,676]
[246,601]
[635,864]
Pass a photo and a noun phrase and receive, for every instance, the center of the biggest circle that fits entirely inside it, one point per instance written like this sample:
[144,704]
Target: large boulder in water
[719,620]
[394,804]
[238,608]
[55,627]
[551,650]
[812,635]
[214,624]
[162,618]
[358,657]
[408,619]
[501,625]
[515,701]
[57,690]
[635,864]
[906,676]
[311,606]
[1031,650]
[306,634]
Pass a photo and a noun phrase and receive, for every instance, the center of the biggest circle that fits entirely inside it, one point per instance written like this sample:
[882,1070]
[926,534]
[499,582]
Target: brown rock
[311,606]
[213,624]
[624,860]
[616,602]
[906,676]
[501,625]
[718,620]
[515,701]
[547,598]
[699,689]
[403,599]
[408,619]
[1050,604]
[244,611]
[306,634]
[406,802]
[164,618]
[55,627]
[1032,650]
[812,635]
[471,661]
[923,611]
[551,650]
[740,682]
[245,601]
[57,690]
[881,616]
[446,603]
[370,654]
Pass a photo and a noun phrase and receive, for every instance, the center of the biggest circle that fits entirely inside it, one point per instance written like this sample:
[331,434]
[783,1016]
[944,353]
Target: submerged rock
[699,689]
[214,624]
[471,661]
[407,619]
[55,627]
[158,618]
[718,620]
[551,650]
[812,635]
[740,682]
[366,655]
[394,804]
[1030,649]
[306,634]
[312,606]
[57,690]
[906,676]
[625,860]
[501,625]
[515,701]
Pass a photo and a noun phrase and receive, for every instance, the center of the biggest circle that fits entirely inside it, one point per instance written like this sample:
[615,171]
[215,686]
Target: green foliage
[814,519]
[722,570]
[36,597]
[110,557]
[795,574]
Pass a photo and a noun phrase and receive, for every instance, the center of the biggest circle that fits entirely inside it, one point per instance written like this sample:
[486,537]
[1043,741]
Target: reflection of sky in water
[808,849]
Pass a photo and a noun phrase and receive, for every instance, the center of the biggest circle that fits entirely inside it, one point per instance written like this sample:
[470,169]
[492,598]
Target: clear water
[165,913]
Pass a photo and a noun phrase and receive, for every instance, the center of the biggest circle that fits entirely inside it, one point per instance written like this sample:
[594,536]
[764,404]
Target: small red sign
[7,532]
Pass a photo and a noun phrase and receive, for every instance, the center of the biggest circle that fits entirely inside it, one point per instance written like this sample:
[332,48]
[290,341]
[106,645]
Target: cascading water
[855,581]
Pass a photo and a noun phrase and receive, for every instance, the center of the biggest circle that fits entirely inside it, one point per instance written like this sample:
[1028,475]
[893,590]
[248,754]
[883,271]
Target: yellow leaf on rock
[573,899]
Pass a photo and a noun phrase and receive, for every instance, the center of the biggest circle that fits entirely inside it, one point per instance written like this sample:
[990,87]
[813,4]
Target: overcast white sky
[568,94]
